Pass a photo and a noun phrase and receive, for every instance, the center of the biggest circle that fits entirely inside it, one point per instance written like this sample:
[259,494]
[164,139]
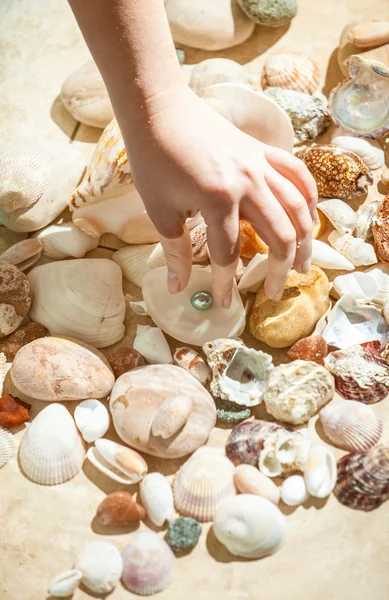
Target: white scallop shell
[64,240]
[152,345]
[294,491]
[7,446]
[320,472]
[254,274]
[92,420]
[248,480]
[157,498]
[249,526]
[369,150]
[65,584]
[380,274]
[51,450]
[23,254]
[327,258]
[341,215]
[361,286]
[354,249]
[137,260]
[120,463]
[101,566]
[23,177]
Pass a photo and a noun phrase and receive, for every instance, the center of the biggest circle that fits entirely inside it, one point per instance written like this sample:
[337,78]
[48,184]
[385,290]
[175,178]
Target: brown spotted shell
[247,439]
[313,347]
[338,173]
[380,229]
[15,298]
[291,71]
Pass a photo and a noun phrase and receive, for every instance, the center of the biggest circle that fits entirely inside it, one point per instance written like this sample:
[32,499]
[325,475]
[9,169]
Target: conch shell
[360,253]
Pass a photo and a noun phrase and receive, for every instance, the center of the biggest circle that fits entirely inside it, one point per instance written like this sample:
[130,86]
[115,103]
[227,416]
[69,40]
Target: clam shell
[202,483]
[351,426]
[380,274]
[369,151]
[369,35]
[327,258]
[380,230]
[248,480]
[92,420]
[137,261]
[7,446]
[249,526]
[157,498]
[341,215]
[365,219]
[357,251]
[65,584]
[101,566]
[191,361]
[361,286]
[147,564]
[24,177]
[320,472]
[152,345]
[64,240]
[118,462]
[291,71]
[119,508]
[23,254]
[294,491]
[51,450]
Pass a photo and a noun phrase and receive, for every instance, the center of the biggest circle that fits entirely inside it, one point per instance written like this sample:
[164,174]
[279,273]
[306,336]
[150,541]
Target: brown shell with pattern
[380,229]
[247,439]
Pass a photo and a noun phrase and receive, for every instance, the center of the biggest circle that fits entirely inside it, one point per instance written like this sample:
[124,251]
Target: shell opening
[115,473]
[244,370]
[269,464]
[286,451]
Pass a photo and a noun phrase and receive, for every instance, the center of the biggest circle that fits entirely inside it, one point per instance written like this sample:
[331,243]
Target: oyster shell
[23,254]
[369,150]
[291,71]
[341,215]
[120,463]
[350,425]
[361,286]
[294,490]
[320,472]
[157,498]
[360,253]
[327,258]
[380,229]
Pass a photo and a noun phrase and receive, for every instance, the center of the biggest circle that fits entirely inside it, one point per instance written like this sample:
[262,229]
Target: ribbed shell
[137,260]
[23,254]
[247,439]
[23,178]
[7,446]
[291,71]
[351,426]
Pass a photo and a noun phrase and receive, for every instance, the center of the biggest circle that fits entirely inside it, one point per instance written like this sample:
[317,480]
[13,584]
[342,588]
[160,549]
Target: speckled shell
[247,439]
[313,348]
[198,236]
[191,361]
[360,372]
[360,253]
[15,298]
[363,479]
[119,508]
[350,425]
[23,178]
[296,391]
[338,173]
[7,446]
[291,71]
[23,254]
[249,480]
[380,229]
[369,35]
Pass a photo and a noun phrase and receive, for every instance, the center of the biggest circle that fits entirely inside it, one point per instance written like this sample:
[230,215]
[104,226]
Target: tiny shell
[369,35]
[92,420]
[254,274]
[65,584]
[171,416]
[120,463]
[125,359]
[250,242]
[137,260]
[294,491]
[361,286]
[157,498]
[360,372]
[369,150]
[23,177]
[13,412]
[350,425]
[7,446]
[249,480]
[152,345]
[341,215]
[21,337]
[119,508]
[320,472]
[191,361]
[381,230]
[291,71]
[64,240]
[357,251]
[327,258]
[23,254]
[101,566]
[312,348]
[147,564]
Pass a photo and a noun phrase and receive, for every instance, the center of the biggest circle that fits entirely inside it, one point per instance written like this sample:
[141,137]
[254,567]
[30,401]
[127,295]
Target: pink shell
[351,425]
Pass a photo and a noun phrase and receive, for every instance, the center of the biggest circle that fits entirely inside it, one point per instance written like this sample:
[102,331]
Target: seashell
[136,400]
[296,391]
[139,308]
[250,242]
[385,311]
[368,35]
[9,238]
[230,412]
[157,498]
[183,534]
[176,315]
[312,348]
[51,450]
[7,446]
[64,240]
[3,369]
[216,70]
[148,564]
[65,584]
[13,412]
[359,104]
[341,215]
[368,150]
[137,261]
[294,491]
[338,173]
[308,115]
[248,480]
[23,254]
[361,286]
[37,178]
[380,230]
[239,374]
[363,479]
[53,369]
[249,526]
[291,71]
[247,440]
[284,453]
[360,372]
[101,566]
[365,219]
[327,258]
[15,298]
[152,345]
[82,299]
[125,359]
[85,96]
[357,251]
[320,472]
[119,508]
[198,237]
[19,338]
[171,416]
[380,274]
[254,274]
[351,426]
[191,361]
[304,300]
[273,15]
[92,420]
[351,323]
[202,483]
[120,463]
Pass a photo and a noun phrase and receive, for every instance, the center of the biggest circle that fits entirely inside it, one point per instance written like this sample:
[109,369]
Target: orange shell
[313,348]
[13,412]
[119,508]
[250,242]
[380,230]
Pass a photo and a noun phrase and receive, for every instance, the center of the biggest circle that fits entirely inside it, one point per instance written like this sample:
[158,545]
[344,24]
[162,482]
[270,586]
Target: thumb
[178,254]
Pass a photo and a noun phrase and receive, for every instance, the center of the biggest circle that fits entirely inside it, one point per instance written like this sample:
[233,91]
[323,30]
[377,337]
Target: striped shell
[24,254]
[351,426]
[23,178]
[380,229]
[369,35]
[7,446]
[291,71]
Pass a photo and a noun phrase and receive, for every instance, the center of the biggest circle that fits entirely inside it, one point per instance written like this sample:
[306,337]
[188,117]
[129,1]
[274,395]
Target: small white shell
[369,150]
[64,584]
[294,491]
[139,308]
[64,240]
[7,446]
[254,274]
[354,249]
[120,463]
[361,286]
[101,566]
[341,215]
[137,260]
[151,343]
[327,258]
[171,416]
[23,178]
[92,419]
[320,472]
[249,480]
[157,498]
[23,254]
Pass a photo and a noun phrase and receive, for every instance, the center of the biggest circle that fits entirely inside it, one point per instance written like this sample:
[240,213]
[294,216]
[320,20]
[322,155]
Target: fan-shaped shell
[64,240]
[7,446]
[291,71]
[23,254]
[341,215]
[101,566]
[157,498]
[136,261]
[23,177]
[120,463]
[351,426]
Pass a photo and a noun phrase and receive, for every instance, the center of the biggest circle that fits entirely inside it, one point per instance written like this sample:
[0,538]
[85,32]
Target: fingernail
[306,266]
[227,300]
[173,283]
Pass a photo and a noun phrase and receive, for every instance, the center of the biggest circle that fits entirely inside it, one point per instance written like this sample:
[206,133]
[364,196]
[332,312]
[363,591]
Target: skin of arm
[185,157]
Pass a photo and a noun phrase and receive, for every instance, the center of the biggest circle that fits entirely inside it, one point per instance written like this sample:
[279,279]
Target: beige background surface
[330,551]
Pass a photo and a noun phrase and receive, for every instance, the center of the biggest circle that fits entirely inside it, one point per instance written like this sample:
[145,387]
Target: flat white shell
[65,584]
[341,215]
[157,498]
[294,491]
[369,150]
[320,472]
[101,566]
[92,419]
[254,274]
[361,286]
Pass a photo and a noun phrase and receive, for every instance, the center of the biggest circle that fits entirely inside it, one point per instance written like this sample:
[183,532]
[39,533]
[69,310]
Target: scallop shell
[65,584]
[338,173]
[254,274]
[361,286]
[351,426]
[248,480]
[369,35]
[101,566]
[51,450]
[365,219]
[239,374]
[157,498]
[119,508]
[191,361]
[120,463]
[152,345]
[92,420]
[148,564]
[294,491]
[320,472]
[137,261]
[327,258]
[341,215]
[380,274]
[23,254]
[284,453]
[7,446]
[64,240]
[24,177]
[249,526]
[380,230]
[291,71]
[360,372]
[368,150]
[202,483]
[357,251]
